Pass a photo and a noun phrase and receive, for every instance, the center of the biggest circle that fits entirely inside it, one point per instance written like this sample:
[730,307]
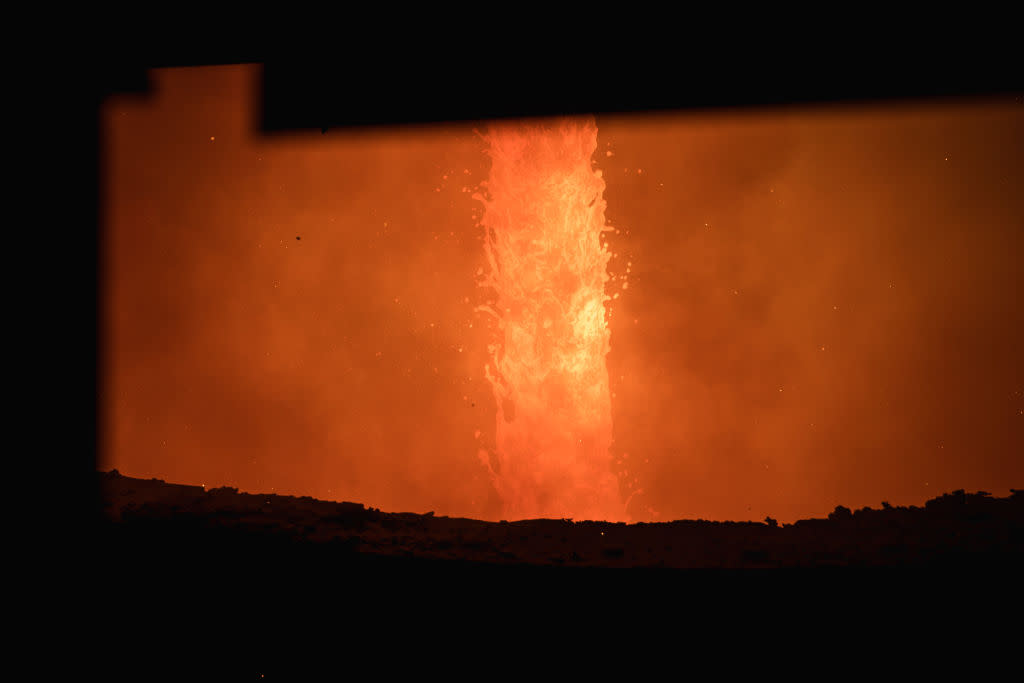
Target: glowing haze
[543,216]
[824,306]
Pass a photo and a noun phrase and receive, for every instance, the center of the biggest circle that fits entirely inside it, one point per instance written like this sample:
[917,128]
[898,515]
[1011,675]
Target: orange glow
[543,216]
[295,313]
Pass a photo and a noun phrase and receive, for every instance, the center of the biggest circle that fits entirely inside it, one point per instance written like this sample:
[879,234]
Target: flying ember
[543,218]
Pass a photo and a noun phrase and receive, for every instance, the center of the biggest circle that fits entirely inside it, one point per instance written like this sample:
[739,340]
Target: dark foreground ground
[955,530]
[174,570]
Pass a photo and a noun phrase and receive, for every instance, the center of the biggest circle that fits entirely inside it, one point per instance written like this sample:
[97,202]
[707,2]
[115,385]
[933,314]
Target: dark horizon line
[839,512]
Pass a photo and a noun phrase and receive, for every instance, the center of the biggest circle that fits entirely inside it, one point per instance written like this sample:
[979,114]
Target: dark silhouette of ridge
[255,580]
[955,529]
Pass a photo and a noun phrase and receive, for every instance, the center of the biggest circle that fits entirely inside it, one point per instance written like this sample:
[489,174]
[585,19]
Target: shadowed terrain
[250,579]
[956,529]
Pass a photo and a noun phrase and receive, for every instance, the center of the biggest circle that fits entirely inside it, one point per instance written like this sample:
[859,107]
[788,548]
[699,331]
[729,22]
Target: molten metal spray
[543,217]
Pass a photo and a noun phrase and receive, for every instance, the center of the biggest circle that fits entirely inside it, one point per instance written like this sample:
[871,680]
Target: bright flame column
[543,216]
